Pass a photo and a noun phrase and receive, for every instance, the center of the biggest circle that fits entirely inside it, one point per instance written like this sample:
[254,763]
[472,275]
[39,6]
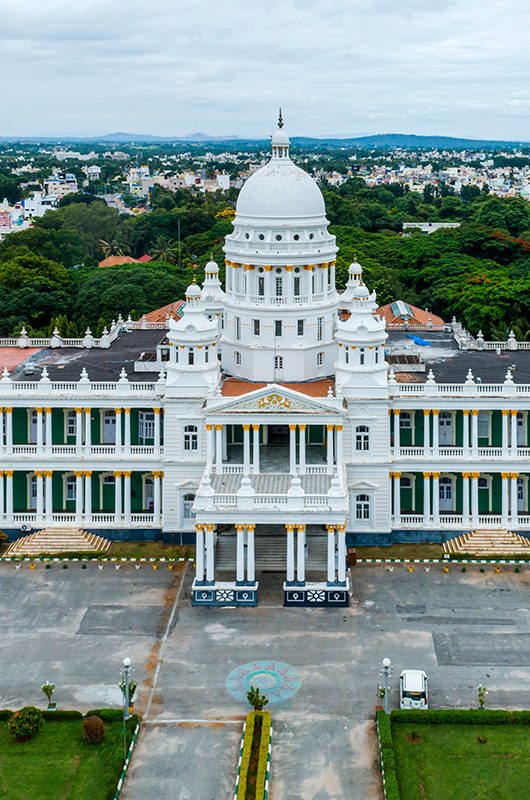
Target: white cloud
[447,66]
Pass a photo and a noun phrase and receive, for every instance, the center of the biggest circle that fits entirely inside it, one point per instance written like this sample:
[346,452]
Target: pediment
[273,399]
[187,485]
[356,485]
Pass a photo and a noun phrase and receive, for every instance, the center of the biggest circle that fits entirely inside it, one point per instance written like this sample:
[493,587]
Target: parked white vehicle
[413,692]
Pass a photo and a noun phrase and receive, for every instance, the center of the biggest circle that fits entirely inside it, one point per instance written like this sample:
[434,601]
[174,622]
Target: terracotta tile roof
[234,387]
[11,357]
[161,314]
[419,316]
[145,258]
[112,261]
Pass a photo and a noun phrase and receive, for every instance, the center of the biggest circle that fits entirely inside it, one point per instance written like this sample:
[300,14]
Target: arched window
[362,507]
[191,438]
[362,437]
[187,506]
[237,358]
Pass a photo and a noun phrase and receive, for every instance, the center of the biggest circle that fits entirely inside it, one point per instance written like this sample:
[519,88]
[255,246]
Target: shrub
[106,714]
[461,716]
[25,723]
[68,713]
[93,730]
[256,699]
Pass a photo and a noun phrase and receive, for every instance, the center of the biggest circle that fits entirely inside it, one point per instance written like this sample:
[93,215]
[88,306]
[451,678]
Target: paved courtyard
[320,666]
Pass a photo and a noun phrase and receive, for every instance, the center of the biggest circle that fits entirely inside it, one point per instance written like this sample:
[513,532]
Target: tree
[165,250]
[112,248]
[10,188]
[257,700]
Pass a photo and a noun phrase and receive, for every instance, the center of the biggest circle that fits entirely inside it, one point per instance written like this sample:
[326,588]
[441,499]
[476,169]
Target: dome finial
[280,119]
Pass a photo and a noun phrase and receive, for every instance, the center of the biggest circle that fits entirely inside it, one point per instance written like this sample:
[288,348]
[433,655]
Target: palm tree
[164,250]
[111,248]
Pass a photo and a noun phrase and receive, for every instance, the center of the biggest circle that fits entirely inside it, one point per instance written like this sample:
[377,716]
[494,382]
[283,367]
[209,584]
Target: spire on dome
[280,119]
[280,140]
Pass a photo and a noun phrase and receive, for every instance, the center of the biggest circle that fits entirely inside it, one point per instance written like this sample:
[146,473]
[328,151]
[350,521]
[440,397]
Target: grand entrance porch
[231,557]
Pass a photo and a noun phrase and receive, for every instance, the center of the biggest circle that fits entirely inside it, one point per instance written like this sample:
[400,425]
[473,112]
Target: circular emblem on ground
[278,681]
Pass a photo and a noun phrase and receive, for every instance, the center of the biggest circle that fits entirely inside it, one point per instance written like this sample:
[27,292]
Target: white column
[240,554]
[341,553]
[329,453]
[397,496]
[78,429]
[302,455]
[332,282]
[48,430]
[2,427]
[210,553]
[78,497]
[331,553]
[465,429]
[427,429]
[157,431]
[127,424]
[290,285]
[290,553]
[118,429]
[474,431]
[88,496]
[513,494]
[339,454]
[157,496]
[255,449]
[435,432]
[465,498]
[2,496]
[88,429]
[268,281]
[251,566]
[199,553]
[292,449]
[309,281]
[40,430]
[127,495]
[397,443]
[246,449]
[117,497]
[48,492]
[426,496]
[209,447]
[505,507]
[300,556]
[436,497]
[505,415]
[474,497]
[9,495]
[513,431]
[218,448]
[9,430]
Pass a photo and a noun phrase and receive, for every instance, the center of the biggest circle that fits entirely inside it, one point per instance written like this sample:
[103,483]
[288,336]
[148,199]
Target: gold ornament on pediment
[274,402]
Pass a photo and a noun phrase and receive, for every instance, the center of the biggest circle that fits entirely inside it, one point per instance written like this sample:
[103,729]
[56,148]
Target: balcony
[450,521]
[95,520]
[83,452]
[465,453]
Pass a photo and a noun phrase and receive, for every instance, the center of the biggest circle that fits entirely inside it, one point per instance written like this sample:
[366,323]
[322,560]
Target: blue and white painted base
[224,594]
[316,595]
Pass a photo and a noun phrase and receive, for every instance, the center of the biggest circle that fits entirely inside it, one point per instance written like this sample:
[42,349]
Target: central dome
[280,189]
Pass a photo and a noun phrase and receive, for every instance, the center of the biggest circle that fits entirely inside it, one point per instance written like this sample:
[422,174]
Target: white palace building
[275,415]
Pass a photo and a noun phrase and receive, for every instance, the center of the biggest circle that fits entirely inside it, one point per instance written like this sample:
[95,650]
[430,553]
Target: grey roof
[66,363]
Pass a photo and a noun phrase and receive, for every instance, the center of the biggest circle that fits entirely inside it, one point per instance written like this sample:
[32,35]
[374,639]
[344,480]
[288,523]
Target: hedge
[388,761]
[462,716]
[247,750]
[108,714]
[263,761]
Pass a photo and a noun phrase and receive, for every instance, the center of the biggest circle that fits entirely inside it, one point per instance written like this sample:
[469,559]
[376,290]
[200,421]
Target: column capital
[289,267]
[396,412]
[117,410]
[397,475]
[466,475]
[127,410]
[209,427]
[118,474]
[38,409]
[513,412]
[330,427]
[256,427]
[435,412]
[157,410]
[505,412]
[341,528]
[292,427]
[268,267]
[246,427]
[88,410]
[209,527]
[289,528]
[426,474]
[8,410]
[239,528]
[48,410]
[48,473]
[2,473]
[514,475]
[8,473]
[88,473]
[198,527]
[127,474]
[465,412]
[426,412]
[302,427]
[251,528]
[474,412]
[308,267]
[475,475]
[339,427]
[300,528]
[78,410]
[330,528]
[218,427]
[505,475]
[435,475]
[78,473]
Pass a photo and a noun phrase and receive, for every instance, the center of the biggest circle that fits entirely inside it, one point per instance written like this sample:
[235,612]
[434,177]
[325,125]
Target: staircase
[270,553]
[488,544]
[57,541]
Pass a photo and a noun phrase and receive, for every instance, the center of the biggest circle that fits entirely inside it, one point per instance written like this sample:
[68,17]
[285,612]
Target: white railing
[229,469]
[40,388]
[71,450]
[316,500]
[459,521]
[225,500]
[462,389]
[97,519]
[314,469]
[461,452]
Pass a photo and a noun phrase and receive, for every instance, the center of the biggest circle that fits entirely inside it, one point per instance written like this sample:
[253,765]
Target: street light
[125,675]
[387,672]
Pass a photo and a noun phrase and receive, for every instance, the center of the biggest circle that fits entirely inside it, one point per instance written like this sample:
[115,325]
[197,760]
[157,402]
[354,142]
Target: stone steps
[57,541]
[488,543]
[270,553]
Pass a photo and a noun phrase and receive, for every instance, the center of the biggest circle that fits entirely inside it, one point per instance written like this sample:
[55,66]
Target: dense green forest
[479,272]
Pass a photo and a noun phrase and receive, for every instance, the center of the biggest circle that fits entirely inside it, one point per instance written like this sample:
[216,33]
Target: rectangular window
[483,425]
[300,327]
[296,286]
[278,362]
[261,287]
[191,356]
[237,324]
[256,327]
[146,425]
[320,359]
[70,487]
[320,328]
[279,290]
[71,423]
[277,327]
[405,420]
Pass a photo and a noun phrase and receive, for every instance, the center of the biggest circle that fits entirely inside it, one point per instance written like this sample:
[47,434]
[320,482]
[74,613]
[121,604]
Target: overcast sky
[169,67]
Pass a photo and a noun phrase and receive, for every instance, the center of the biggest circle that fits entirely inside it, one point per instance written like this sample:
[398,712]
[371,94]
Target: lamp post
[125,675]
[387,672]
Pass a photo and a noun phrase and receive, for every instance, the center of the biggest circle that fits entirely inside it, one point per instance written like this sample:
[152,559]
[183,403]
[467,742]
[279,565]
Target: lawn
[401,551]
[450,763]
[58,765]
